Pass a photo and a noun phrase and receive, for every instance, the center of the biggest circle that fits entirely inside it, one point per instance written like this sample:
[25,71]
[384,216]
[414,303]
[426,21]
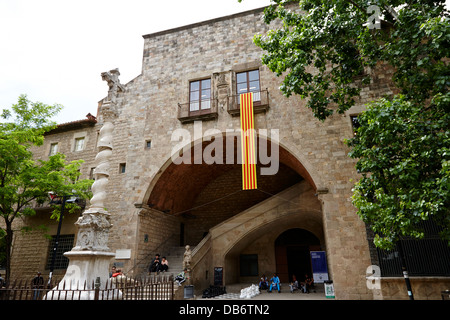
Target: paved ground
[234,291]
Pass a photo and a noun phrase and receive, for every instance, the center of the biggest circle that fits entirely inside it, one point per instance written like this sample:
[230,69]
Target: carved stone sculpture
[89,259]
[187,258]
[112,78]
[94,224]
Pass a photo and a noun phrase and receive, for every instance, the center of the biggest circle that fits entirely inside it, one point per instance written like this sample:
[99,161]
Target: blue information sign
[319,266]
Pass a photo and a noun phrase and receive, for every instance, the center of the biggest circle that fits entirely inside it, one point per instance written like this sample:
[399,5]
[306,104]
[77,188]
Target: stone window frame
[79,146]
[199,101]
[256,98]
[91,173]
[354,123]
[260,101]
[353,112]
[77,136]
[50,153]
[185,115]
[245,67]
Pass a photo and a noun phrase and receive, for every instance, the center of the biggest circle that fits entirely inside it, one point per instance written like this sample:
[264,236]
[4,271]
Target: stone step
[175,256]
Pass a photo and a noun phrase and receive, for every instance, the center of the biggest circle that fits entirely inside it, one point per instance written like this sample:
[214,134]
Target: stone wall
[157,233]
[423,288]
[31,248]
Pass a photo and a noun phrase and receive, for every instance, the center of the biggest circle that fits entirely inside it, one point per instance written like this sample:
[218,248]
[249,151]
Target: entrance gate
[292,253]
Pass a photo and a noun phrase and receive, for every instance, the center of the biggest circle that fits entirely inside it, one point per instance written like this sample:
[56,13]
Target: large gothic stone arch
[174,181]
[282,201]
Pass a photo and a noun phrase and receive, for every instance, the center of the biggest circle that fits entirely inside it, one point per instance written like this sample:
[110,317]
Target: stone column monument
[89,259]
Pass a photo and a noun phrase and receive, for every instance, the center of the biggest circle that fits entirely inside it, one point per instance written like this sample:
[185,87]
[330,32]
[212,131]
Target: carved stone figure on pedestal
[187,258]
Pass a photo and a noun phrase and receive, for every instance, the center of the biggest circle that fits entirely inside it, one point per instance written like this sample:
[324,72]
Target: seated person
[307,284]
[263,283]
[164,265]
[275,282]
[294,284]
[155,264]
[117,273]
[181,277]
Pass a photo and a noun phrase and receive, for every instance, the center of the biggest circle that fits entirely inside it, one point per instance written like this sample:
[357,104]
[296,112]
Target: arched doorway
[292,253]
[208,199]
[203,195]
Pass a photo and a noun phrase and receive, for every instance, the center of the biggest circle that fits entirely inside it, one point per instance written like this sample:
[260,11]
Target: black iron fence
[429,256]
[119,288]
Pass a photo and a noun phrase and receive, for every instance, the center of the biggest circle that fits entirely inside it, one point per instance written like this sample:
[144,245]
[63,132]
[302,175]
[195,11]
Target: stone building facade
[157,203]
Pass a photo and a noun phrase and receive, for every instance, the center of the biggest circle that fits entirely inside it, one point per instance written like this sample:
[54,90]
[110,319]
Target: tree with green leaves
[402,143]
[25,181]
[322,47]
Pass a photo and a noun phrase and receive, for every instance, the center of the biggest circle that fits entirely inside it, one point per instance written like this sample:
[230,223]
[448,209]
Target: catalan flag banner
[248,143]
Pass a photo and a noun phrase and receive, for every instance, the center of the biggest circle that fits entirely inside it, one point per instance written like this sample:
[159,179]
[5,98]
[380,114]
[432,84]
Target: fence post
[172,289]
[97,288]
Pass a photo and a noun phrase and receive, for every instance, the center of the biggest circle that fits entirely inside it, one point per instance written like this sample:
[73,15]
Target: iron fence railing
[197,110]
[158,287]
[429,256]
[260,102]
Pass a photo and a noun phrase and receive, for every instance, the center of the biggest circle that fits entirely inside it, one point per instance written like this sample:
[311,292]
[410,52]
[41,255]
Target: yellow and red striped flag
[248,142]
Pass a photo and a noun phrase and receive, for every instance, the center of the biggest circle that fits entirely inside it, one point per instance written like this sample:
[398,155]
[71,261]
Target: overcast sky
[55,50]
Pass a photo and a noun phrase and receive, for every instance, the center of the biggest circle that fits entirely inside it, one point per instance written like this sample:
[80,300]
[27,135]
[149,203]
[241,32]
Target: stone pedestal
[85,270]
[87,266]
[88,261]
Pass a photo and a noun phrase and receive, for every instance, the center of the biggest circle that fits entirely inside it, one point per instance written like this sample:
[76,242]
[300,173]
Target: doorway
[292,253]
